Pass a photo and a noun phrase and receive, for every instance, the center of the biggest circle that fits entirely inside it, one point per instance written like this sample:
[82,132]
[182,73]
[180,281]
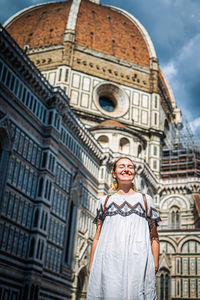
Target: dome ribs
[105,30]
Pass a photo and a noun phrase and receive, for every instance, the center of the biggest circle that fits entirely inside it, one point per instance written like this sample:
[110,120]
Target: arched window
[32,248]
[164,284]
[71,224]
[103,140]
[81,284]
[42,220]
[38,248]
[41,251]
[166,125]
[36,297]
[161,286]
[174,218]
[4,155]
[45,221]
[124,146]
[32,290]
[0,153]
[41,183]
[178,266]
[25,294]
[139,152]
[36,217]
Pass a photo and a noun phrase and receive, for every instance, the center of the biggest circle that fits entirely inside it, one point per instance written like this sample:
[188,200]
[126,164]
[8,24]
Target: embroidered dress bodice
[126,206]
[123,265]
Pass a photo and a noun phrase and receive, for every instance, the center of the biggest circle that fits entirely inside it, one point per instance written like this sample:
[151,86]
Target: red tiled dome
[98,27]
[40,26]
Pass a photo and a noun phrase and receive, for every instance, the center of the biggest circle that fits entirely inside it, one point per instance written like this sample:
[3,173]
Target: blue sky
[174,27]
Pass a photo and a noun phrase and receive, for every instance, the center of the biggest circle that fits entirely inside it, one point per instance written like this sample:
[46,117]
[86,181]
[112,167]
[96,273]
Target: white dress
[123,266]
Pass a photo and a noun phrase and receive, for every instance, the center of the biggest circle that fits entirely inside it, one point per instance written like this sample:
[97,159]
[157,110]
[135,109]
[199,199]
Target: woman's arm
[155,251]
[155,245]
[94,244]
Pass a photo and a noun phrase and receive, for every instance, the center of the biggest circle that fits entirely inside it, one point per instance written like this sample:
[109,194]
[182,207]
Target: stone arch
[170,242]
[174,200]
[185,240]
[82,279]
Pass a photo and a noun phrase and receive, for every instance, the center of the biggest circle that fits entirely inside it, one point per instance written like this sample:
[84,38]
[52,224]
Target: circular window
[107,103]
[110,99]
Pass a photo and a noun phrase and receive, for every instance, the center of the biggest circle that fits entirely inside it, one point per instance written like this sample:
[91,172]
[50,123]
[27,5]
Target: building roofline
[13,17]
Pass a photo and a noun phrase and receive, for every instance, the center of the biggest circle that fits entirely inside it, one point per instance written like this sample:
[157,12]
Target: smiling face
[124,171]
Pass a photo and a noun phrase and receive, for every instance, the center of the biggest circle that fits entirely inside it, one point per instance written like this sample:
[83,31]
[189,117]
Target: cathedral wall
[50,191]
[80,87]
[179,265]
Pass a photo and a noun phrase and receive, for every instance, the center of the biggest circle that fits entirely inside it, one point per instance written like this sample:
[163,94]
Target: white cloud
[169,70]
[195,125]
[191,49]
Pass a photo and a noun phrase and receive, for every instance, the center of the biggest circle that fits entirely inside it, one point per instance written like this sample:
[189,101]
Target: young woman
[125,250]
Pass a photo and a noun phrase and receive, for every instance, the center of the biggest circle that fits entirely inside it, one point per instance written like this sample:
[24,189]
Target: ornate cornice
[181,186]
[17,59]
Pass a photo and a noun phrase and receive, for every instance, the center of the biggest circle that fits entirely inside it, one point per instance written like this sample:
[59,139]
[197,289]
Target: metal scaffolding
[182,158]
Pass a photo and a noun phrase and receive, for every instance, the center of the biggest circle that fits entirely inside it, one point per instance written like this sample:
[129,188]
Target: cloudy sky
[174,27]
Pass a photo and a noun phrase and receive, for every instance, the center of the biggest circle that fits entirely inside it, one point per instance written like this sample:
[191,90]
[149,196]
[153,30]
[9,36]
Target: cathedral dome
[108,30]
